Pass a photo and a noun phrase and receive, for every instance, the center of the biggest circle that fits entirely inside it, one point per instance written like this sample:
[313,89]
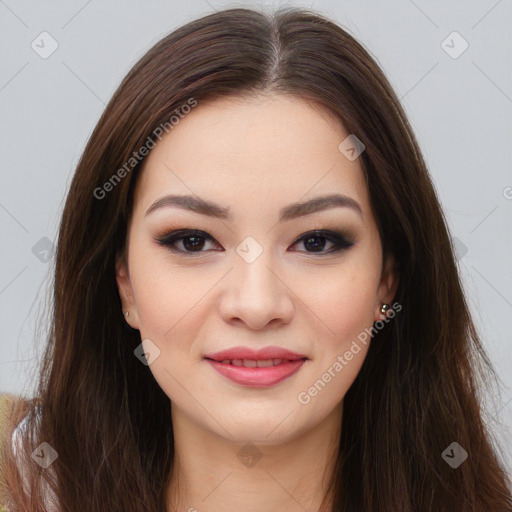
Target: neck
[215,474]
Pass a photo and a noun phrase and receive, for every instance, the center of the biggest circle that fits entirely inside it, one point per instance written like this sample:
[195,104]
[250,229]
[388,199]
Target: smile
[258,373]
[256,368]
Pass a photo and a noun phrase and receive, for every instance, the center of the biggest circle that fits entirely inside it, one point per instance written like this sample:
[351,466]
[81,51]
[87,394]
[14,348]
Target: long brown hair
[418,389]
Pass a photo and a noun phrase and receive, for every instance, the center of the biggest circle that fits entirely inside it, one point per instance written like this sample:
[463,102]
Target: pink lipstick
[256,368]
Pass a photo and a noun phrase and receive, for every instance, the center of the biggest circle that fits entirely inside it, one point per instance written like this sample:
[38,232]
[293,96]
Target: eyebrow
[292,211]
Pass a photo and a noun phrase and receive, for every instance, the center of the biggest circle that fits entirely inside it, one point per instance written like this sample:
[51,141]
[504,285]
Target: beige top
[50,499]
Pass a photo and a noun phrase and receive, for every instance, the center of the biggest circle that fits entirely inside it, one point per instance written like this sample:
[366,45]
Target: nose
[256,295]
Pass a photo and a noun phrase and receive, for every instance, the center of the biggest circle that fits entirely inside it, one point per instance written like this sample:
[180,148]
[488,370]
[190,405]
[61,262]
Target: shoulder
[14,411]
[6,403]
[14,415]
[11,408]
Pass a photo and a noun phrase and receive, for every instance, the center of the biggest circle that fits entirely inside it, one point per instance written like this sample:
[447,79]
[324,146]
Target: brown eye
[316,241]
[192,241]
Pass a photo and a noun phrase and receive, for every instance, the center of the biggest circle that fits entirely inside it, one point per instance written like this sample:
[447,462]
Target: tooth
[237,362]
[226,361]
[249,363]
[265,363]
[277,361]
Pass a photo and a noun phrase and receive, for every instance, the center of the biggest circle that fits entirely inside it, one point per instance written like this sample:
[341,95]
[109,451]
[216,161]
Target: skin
[254,155]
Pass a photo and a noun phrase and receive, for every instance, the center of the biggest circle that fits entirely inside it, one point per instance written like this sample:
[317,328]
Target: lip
[256,376]
[248,353]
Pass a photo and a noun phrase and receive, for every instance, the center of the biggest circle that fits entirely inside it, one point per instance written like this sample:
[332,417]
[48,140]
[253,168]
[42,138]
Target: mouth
[251,368]
[249,354]
[254,363]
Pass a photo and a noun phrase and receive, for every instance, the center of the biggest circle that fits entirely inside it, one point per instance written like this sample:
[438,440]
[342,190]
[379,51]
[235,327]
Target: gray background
[460,109]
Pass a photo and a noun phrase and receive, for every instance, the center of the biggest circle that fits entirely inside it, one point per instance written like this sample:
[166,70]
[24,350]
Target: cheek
[170,310]
[345,302]
[169,307]
[158,303]
[166,297]
[346,309]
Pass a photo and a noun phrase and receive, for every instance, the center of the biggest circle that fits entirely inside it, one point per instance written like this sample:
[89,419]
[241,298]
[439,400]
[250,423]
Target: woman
[256,302]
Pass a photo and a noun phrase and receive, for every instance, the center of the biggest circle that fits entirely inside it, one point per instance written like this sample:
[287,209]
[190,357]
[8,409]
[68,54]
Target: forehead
[252,152]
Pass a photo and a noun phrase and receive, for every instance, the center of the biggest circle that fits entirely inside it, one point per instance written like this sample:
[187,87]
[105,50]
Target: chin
[262,429]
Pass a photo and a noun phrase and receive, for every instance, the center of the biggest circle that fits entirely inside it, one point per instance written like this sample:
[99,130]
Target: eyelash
[167,240]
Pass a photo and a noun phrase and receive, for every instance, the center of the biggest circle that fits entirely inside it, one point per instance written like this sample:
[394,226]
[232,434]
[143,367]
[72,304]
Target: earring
[384,308]
[126,314]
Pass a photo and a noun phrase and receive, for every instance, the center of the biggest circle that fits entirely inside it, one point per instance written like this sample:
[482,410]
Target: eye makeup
[193,241]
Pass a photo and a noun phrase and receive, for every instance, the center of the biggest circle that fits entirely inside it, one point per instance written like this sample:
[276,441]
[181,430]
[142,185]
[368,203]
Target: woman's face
[254,277]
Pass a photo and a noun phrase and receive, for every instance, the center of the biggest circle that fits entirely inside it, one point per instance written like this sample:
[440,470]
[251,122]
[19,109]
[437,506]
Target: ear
[387,286]
[124,287]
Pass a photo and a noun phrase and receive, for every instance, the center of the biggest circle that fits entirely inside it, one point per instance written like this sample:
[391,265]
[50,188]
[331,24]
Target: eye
[316,241]
[193,241]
